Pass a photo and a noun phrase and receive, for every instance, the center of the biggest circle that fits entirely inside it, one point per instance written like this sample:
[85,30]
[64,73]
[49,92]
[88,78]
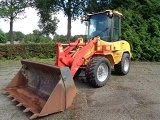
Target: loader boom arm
[74,59]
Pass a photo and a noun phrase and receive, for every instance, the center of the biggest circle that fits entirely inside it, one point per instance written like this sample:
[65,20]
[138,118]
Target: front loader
[45,89]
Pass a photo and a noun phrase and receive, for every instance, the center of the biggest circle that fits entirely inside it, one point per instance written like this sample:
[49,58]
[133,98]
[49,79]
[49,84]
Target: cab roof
[110,11]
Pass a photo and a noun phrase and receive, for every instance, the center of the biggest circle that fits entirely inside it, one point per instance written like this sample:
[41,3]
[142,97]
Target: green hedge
[26,51]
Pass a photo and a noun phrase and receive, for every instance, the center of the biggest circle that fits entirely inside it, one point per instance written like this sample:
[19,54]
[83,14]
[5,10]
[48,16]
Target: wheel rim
[126,65]
[102,72]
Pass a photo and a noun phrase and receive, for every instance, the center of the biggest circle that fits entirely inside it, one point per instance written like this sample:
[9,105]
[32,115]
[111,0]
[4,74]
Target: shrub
[26,51]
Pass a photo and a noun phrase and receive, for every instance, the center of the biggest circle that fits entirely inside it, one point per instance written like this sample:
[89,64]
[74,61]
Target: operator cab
[106,25]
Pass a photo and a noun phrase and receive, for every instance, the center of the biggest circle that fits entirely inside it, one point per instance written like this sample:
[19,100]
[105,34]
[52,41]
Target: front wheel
[123,67]
[98,71]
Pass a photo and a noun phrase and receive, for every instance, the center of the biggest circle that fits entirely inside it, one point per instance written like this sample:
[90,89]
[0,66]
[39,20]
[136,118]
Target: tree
[29,38]
[73,38]
[93,6]
[48,27]
[141,27]
[2,37]
[48,21]
[36,37]
[11,10]
[62,38]
[17,36]
[71,8]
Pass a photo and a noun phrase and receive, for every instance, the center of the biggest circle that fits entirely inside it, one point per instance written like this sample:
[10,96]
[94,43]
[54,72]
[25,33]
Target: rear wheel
[98,71]
[123,67]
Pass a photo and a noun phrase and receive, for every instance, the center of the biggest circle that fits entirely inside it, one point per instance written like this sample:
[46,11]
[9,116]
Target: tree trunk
[69,28]
[11,25]
[11,31]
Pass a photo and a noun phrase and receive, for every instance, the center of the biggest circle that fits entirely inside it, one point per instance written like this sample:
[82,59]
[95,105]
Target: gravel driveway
[135,96]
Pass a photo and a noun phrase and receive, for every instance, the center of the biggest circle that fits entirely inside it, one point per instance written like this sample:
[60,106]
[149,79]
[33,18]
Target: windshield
[99,25]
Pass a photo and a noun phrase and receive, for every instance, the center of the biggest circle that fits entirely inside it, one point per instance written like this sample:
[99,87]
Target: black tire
[123,67]
[98,71]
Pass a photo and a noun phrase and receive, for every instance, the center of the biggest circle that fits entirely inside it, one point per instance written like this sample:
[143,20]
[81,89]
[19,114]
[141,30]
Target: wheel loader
[45,89]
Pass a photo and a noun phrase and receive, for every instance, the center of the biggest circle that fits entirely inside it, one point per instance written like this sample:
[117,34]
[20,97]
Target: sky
[29,23]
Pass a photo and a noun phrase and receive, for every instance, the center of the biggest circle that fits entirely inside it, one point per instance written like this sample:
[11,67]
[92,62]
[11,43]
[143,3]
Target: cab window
[116,29]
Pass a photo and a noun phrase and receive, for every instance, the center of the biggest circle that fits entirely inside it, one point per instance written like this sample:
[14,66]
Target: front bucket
[42,89]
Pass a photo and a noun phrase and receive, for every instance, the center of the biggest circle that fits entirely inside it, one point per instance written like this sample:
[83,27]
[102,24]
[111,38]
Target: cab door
[116,38]
[116,33]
